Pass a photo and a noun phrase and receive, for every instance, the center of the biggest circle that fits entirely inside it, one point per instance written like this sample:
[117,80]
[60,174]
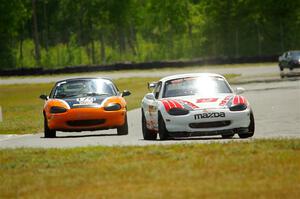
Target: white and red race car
[197,104]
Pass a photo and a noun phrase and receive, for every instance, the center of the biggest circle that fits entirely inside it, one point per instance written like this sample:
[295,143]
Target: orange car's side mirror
[44,97]
[126,93]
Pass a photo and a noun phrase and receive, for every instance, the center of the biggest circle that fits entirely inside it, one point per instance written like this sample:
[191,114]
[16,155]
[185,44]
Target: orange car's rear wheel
[47,131]
[123,130]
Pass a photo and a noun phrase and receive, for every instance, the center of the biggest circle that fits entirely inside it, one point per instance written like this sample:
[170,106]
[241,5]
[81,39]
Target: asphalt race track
[246,72]
[276,108]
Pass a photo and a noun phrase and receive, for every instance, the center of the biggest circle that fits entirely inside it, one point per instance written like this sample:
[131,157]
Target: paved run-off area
[276,109]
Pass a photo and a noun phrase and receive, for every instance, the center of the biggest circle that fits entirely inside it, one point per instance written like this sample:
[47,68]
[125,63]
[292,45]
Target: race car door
[152,107]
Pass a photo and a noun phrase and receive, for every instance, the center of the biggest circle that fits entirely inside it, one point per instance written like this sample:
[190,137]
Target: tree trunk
[259,40]
[132,40]
[237,53]
[102,46]
[93,52]
[281,36]
[35,34]
[91,40]
[46,25]
[21,49]
[122,44]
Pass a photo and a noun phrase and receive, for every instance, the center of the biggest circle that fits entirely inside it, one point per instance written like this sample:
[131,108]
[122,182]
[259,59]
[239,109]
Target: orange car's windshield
[84,87]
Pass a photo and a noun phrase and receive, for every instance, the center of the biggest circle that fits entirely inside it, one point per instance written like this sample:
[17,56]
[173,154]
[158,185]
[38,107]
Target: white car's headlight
[239,107]
[178,111]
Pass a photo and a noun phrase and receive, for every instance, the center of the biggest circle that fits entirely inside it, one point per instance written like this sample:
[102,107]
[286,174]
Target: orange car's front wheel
[47,131]
[123,130]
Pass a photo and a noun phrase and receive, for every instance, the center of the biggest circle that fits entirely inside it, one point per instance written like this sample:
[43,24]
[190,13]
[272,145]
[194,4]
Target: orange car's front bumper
[84,119]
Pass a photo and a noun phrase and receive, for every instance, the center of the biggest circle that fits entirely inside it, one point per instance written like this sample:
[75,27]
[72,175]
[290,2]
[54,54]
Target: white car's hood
[199,102]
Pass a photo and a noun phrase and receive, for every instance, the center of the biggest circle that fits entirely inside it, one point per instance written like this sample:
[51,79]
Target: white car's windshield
[295,54]
[84,87]
[195,85]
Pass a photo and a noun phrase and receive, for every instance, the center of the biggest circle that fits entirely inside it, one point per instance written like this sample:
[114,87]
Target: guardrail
[132,65]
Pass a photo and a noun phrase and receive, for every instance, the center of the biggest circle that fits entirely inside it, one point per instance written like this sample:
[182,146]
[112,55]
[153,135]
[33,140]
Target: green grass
[256,169]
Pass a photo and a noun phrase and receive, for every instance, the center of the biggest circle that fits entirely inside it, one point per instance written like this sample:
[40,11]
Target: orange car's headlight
[57,109]
[112,107]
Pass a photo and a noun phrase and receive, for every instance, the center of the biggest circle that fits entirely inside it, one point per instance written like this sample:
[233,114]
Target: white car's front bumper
[191,123]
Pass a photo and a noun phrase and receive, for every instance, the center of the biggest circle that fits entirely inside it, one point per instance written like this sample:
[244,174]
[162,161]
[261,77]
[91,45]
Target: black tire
[123,130]
[251,128]
[162,131]
[280,67]
[47,131]
[227,136]
[147,134]
[282,75]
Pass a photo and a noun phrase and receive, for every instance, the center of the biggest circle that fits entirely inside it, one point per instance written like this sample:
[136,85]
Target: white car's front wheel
[147,134]
[251,128]
[162,131]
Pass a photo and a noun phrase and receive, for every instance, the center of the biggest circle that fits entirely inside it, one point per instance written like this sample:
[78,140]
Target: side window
[157,90]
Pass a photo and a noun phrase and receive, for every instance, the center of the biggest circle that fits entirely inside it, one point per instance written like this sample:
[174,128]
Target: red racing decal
[239,100]
[168,104]
[206,100]
[177,105]
[236,100]
[193,106]
[225,100]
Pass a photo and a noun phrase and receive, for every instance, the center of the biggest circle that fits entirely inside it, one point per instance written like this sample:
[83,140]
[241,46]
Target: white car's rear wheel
[147,134]
[162,131]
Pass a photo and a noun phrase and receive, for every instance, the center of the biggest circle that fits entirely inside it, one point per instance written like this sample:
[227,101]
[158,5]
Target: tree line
[56,33]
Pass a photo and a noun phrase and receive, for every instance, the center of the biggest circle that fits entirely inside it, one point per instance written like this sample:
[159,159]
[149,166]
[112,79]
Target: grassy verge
[155,70]
[256,169]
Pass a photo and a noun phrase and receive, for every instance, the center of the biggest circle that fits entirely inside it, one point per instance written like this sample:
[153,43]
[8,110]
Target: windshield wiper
[95,94]
[65,96]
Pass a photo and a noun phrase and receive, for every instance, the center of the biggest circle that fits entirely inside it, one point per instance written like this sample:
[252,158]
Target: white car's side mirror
[152,85]
[150,96]
[239,90]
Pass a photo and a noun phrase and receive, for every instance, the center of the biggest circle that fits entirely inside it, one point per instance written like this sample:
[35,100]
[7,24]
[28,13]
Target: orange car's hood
[90,101]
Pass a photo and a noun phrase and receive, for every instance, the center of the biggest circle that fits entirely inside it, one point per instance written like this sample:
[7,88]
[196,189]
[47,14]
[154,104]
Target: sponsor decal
[209,115]
[206,100]
[86,100]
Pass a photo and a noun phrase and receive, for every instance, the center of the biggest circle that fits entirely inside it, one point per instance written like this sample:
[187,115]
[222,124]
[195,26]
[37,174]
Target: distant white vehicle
[198,104]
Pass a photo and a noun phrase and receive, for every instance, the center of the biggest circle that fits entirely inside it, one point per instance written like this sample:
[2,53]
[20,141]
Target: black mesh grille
[85,122]
[210,124]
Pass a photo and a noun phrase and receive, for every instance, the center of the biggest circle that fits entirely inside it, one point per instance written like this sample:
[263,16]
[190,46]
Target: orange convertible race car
[84,104]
